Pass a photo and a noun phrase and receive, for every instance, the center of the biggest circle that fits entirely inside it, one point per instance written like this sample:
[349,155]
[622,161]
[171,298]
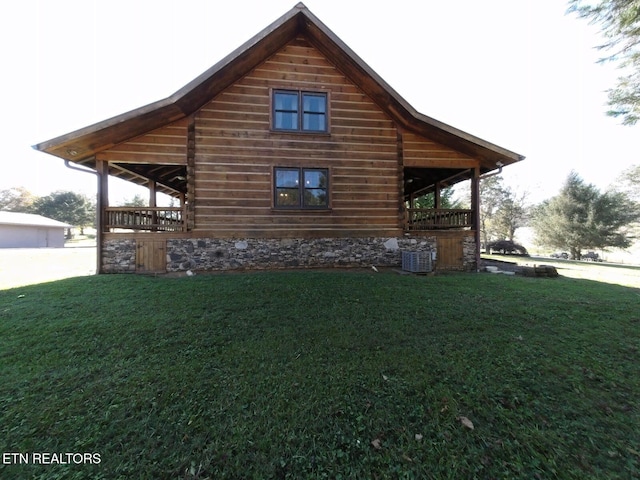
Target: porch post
[183,206]
[102,202]
[152,204]
[436,197]
[475,208]
[152,193]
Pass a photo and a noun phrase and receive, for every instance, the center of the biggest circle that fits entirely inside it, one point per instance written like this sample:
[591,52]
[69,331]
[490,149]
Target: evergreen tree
[447,200]
[629,182]
[580,217]
[620,24]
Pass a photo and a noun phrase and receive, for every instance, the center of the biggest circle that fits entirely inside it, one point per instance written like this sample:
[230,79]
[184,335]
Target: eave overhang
[82,145]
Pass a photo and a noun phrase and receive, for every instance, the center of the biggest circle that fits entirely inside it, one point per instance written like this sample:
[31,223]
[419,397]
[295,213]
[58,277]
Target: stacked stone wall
[119,256]
[469,253]
[222,254]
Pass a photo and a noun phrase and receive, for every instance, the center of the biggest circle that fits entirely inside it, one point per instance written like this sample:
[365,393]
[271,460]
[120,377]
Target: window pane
[287,197]
[314,103]
[315,178]
[314,110]
[315,187]
[314,122]
[286,121]
[315,197]
[285,110]
[286,101]
[287,178]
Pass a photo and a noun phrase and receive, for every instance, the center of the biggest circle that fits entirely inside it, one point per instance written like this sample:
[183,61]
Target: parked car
[564,255]
[591,257]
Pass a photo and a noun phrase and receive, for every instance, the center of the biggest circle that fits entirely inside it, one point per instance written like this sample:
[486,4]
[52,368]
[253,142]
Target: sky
[521,74]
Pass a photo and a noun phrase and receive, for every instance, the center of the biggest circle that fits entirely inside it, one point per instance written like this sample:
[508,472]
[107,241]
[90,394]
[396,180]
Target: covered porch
[170,179]
[420,182]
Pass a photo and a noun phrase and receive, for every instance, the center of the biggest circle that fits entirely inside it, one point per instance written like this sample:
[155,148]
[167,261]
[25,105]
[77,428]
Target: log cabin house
[289,152]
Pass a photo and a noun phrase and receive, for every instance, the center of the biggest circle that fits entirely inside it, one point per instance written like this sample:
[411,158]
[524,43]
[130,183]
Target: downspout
[487,175]
[98,214]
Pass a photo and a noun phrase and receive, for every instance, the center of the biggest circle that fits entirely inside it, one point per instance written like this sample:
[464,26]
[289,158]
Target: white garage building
[25,230]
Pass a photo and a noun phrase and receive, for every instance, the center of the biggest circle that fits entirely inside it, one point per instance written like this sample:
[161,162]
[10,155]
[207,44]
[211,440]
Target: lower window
[301,187]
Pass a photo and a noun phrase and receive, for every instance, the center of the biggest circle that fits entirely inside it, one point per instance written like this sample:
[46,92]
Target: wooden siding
[423,153]
[166,145]
[236,152]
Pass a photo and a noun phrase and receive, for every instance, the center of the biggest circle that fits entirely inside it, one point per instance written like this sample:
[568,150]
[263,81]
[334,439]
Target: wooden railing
[430,219]
[155,219]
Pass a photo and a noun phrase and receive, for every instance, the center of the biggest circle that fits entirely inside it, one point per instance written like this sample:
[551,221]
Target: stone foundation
[251,254]
[469,254]
[119,256]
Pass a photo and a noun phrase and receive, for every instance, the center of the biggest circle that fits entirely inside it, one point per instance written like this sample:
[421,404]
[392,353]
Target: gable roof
[82,145]
[30,219]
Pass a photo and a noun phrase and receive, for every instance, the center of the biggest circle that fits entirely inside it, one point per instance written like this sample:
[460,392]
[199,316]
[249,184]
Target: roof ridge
[82,144]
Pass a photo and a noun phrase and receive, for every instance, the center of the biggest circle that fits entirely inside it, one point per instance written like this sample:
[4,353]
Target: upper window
[301,188]
[296,111]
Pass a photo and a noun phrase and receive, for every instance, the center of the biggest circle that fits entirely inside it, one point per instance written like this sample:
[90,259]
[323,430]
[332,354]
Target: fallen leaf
[377,444]
[407,458]
[466,422]
[385,378]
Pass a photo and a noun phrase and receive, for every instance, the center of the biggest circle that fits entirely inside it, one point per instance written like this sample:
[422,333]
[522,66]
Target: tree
[629,182]
[136,201]
[619,21]
[491,196]
[510,215]
[580,217]
[447,199]
[68,207]
[502,210]
[17,199]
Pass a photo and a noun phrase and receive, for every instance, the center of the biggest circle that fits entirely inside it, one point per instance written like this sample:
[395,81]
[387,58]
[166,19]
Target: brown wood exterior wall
[166,145]
[424,153]
[231,151]
[236,152]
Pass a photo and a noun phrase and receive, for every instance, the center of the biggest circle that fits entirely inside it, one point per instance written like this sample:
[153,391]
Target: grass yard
[316,374]
[613,273]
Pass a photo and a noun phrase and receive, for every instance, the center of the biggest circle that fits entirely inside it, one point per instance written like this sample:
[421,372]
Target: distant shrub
[506,247]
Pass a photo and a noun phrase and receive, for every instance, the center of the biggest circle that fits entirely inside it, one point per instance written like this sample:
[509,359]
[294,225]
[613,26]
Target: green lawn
[315,374]
[614,273]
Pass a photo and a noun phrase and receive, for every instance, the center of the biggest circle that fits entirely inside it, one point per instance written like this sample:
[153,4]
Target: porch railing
[155,219]
[430,218]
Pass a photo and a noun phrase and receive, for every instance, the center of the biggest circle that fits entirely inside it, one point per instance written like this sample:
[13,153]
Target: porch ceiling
[170,179]
[423,180]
